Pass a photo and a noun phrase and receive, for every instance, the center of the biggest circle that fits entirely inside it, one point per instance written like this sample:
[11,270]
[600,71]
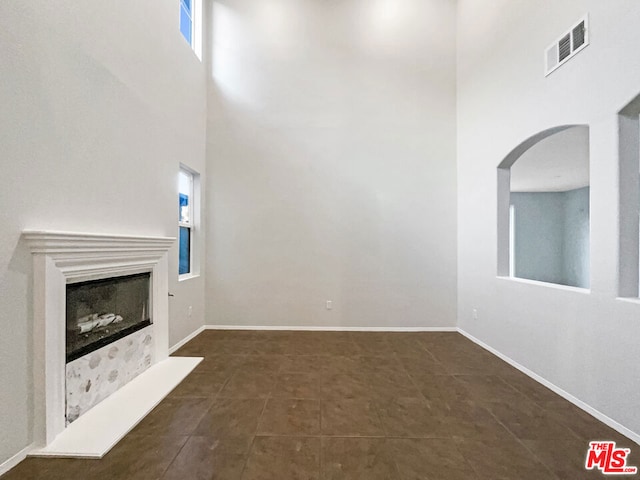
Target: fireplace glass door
[102,311]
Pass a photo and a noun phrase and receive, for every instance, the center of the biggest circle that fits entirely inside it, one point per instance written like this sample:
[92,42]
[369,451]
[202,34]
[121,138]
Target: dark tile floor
[348,406]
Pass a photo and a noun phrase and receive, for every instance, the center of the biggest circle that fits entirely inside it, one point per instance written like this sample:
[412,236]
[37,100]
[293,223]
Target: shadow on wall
[545,189]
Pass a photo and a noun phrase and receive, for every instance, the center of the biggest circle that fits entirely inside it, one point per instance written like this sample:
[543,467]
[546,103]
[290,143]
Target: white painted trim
[61,244]
[15,460]
[635,300]
[187,276]
[330,328]
[555,286]
[186,339]
[564,394]
[194,224]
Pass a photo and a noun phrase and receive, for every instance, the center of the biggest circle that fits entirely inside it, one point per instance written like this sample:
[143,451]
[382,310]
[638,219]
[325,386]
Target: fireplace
[99,312]
[83,407]
[88,290]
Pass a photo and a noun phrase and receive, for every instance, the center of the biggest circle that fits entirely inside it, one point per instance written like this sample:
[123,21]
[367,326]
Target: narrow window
[186,20]
[191,24]
[185,222]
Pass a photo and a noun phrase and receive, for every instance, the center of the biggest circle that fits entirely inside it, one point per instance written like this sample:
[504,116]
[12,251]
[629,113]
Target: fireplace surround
[61,259]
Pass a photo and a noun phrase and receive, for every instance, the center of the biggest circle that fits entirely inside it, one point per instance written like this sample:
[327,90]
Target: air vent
[569,44]
[564,48]
[579,35]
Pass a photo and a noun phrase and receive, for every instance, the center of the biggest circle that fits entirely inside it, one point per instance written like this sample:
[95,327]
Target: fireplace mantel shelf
[52,242]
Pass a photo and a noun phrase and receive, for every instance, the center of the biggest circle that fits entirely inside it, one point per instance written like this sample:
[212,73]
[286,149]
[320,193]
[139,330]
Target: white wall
[585,343]
[539,235]
[331,163]
[576,238]
[100,101]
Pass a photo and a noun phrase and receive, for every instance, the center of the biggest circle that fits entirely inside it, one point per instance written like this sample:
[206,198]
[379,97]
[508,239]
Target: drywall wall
[575,253]
[100,103]
[539,235]
[331,163]
[589,338]
[552,236]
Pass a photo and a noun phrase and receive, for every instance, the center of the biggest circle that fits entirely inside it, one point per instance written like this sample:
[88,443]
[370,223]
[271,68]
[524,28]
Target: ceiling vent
[569,44]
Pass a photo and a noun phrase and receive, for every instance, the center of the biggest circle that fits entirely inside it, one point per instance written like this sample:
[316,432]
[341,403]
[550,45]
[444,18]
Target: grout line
[466,460]
[377,412]
[522,444]
[264,408]
[320,402]
[253,439]
[176,456]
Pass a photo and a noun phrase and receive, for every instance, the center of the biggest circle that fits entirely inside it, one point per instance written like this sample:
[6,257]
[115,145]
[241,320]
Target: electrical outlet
[475,314]
[190,310]
[329,304]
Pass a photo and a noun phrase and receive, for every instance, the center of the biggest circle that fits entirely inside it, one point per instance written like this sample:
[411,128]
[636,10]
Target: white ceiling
[556,164]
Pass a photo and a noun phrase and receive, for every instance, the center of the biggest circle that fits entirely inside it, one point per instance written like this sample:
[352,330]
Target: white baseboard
[331,328]
[186,339]
[15,460]
[566,395]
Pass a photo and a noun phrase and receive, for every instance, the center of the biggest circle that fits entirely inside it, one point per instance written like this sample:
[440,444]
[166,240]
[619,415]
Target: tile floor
[348,406]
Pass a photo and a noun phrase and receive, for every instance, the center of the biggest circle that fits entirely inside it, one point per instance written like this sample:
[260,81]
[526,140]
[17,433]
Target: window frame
[189,11]
[193,223]
[195,15]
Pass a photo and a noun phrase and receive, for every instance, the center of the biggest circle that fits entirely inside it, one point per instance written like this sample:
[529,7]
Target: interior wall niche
[543,208]
[629,198]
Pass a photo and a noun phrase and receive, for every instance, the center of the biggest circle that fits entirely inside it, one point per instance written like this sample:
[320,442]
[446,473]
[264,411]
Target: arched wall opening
[543,208]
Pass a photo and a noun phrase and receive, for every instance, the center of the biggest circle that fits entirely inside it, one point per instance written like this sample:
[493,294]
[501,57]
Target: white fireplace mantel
[61,258]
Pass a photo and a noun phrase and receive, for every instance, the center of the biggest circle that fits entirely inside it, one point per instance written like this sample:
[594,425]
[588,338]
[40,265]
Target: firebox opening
[100,312]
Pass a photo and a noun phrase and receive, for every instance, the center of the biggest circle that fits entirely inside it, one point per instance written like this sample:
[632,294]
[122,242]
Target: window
[187,222]
[190,24]
[186,20]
